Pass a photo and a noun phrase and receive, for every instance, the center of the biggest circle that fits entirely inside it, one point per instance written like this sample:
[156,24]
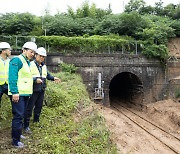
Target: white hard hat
[41,51]
[4,45]
[30,45]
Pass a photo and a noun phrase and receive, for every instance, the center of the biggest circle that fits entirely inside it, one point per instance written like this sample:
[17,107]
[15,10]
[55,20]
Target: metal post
[99,93]
[44,32]
[122,50]
[109,51]
[136,47]
[48,47]
[99,80]
[16,43]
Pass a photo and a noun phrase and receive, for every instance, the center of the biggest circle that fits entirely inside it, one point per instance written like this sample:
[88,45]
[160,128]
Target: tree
[146,10]
[17,23]
[134,5]
[176,26]
[60,25]
[67,26]
[37,29]
[158,30]
[158,9]
[123,24]
[169,10]
[88,11]
[109,24]
[177,12]
[70,12]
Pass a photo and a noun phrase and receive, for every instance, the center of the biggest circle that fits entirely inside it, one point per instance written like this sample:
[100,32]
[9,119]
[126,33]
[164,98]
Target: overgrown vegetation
[68,68]
[90,29]
[89,44]
[69,123]
[5,112]
[177,93]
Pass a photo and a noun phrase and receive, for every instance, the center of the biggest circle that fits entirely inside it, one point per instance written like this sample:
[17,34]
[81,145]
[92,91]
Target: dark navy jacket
[38,87]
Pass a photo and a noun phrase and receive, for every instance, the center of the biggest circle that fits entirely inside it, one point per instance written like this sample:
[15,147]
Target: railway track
[166,138]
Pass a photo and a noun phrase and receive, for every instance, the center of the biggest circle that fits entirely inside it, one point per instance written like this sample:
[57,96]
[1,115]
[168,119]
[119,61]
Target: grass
[68,125]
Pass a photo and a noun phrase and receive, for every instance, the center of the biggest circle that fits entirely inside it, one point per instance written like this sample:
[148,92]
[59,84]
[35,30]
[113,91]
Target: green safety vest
[25,80]
[4,68]
[35,72]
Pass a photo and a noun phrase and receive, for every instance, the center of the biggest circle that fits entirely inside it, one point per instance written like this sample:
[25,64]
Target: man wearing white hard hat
[20,87]
[5,52]
[40,74]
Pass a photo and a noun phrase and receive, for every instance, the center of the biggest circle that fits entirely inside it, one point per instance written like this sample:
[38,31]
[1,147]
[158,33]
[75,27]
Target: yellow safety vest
[4,68]
[35,72]
[25,80]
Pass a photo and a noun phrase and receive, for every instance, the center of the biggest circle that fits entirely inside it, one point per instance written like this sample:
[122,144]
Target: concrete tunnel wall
[146,72]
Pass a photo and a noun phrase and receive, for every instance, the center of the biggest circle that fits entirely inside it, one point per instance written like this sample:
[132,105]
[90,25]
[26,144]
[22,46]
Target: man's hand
[38,80]
[57,80]
[15,98]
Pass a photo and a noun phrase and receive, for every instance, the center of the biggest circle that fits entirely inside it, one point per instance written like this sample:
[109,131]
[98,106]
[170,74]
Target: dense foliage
[152,26]
[85,44]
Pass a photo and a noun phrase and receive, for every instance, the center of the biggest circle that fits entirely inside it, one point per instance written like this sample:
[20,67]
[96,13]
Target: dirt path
[132,139]
[129,138]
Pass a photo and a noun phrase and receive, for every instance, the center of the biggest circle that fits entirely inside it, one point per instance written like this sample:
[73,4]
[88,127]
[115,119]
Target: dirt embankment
[130,138]
[174,47]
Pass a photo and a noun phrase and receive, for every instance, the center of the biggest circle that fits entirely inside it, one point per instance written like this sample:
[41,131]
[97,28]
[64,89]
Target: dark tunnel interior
[125,86]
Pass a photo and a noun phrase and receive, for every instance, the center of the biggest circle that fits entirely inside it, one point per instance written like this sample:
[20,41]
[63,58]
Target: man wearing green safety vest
[5,52]
[40,74]
[20,87]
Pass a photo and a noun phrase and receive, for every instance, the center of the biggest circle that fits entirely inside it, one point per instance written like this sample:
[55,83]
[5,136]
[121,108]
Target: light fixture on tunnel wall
[99,92]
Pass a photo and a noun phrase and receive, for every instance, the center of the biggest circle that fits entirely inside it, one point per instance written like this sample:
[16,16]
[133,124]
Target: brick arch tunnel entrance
[126,87]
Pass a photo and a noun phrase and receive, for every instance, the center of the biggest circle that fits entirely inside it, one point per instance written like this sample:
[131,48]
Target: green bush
[155,51]
[5,112]
[177,93]
[68,68]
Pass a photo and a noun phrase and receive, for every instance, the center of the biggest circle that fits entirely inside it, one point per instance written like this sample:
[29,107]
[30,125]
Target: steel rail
[146,130]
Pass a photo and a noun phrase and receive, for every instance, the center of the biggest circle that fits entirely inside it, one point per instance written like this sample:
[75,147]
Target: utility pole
[44,32]
[44,29]
[123,6]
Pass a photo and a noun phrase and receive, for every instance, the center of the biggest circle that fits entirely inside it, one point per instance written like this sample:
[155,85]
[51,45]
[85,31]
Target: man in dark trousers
[5,52]
[20,84]
[40,74]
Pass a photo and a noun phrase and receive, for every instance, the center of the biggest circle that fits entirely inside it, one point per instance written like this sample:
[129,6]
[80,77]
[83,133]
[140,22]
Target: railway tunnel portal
[129,77]
[126,87]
